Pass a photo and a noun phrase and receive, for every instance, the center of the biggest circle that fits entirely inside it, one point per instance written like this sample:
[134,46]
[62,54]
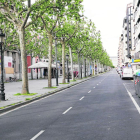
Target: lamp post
[2,94]
[56,72]
[67,57]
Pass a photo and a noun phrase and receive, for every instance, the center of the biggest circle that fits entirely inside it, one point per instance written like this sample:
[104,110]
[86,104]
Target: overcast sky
[108,18]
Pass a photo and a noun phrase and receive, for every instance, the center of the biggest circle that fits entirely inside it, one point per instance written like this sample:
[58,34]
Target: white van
[126,73]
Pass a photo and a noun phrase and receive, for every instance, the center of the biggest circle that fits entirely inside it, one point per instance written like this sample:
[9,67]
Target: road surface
[98,109]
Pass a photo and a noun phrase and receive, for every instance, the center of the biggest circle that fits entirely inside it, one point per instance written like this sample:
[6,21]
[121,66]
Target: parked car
[126,73]
[119,70]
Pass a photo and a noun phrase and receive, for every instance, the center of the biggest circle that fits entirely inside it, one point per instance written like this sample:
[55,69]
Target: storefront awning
[40,65]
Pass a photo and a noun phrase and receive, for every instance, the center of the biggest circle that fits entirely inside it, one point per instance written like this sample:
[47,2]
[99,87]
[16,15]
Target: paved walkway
[35,86]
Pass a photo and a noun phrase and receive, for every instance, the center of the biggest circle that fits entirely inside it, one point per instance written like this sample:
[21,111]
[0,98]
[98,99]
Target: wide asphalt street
[98,109]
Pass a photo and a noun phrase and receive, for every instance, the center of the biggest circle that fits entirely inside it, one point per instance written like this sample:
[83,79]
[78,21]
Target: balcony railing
[136,27]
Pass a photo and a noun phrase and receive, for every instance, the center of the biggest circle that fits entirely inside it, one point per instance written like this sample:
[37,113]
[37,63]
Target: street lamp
[2,94]
[67,57]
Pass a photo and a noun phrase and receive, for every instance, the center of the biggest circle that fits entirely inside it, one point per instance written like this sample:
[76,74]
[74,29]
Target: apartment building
[121,52]
[136,7]
[126,47]
[129,30]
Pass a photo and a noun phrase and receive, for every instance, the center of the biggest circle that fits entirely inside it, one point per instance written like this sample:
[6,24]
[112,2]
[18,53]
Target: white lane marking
[39,100]
[93,87]
[42,98]
[82,98]
[89,91]
[97,84]
[133,100]
[67,110]
[37,135]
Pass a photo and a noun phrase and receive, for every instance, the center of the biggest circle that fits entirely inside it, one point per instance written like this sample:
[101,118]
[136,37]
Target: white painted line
[133,100]
[93,87]
[67,110]
[89,91]
[82,98]
[39,99]
[37,135]
[97,84]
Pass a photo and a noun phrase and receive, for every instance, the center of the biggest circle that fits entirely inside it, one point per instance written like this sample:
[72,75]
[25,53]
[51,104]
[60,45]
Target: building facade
[126,47]
[121,52]
[136,5]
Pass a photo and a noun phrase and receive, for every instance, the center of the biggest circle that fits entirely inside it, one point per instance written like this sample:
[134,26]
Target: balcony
[136,14]
[137,30]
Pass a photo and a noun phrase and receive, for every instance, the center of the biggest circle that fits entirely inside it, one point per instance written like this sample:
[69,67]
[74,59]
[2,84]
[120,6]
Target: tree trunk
[97,66]
[79,69]
[84,66]
[72,74]
[19,55]
[40,68]
[50,62]
[87,68]
[94,67]
[25,88]
[63,62]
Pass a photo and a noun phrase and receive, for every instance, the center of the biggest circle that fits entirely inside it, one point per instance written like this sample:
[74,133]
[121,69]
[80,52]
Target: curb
[43,95]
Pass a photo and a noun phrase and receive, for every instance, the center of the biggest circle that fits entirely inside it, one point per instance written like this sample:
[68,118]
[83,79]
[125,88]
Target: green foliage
[27,99]
[49,87]
[25,94]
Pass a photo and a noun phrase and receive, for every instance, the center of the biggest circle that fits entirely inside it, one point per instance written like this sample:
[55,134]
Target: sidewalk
[35,86]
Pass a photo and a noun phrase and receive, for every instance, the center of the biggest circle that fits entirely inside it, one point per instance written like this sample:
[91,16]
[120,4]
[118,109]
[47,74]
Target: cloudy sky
[108,18]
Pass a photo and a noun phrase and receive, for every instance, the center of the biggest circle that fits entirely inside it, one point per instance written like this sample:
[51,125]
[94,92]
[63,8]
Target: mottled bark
[25,88]
[71,63]
[20,77]
[50,61]
[63,62]
[79,69]
[94,67]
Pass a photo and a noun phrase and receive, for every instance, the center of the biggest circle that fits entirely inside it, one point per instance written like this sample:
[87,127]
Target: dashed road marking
[37,135]
[89,91]
[82,98]
[93,87]
[67,110]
